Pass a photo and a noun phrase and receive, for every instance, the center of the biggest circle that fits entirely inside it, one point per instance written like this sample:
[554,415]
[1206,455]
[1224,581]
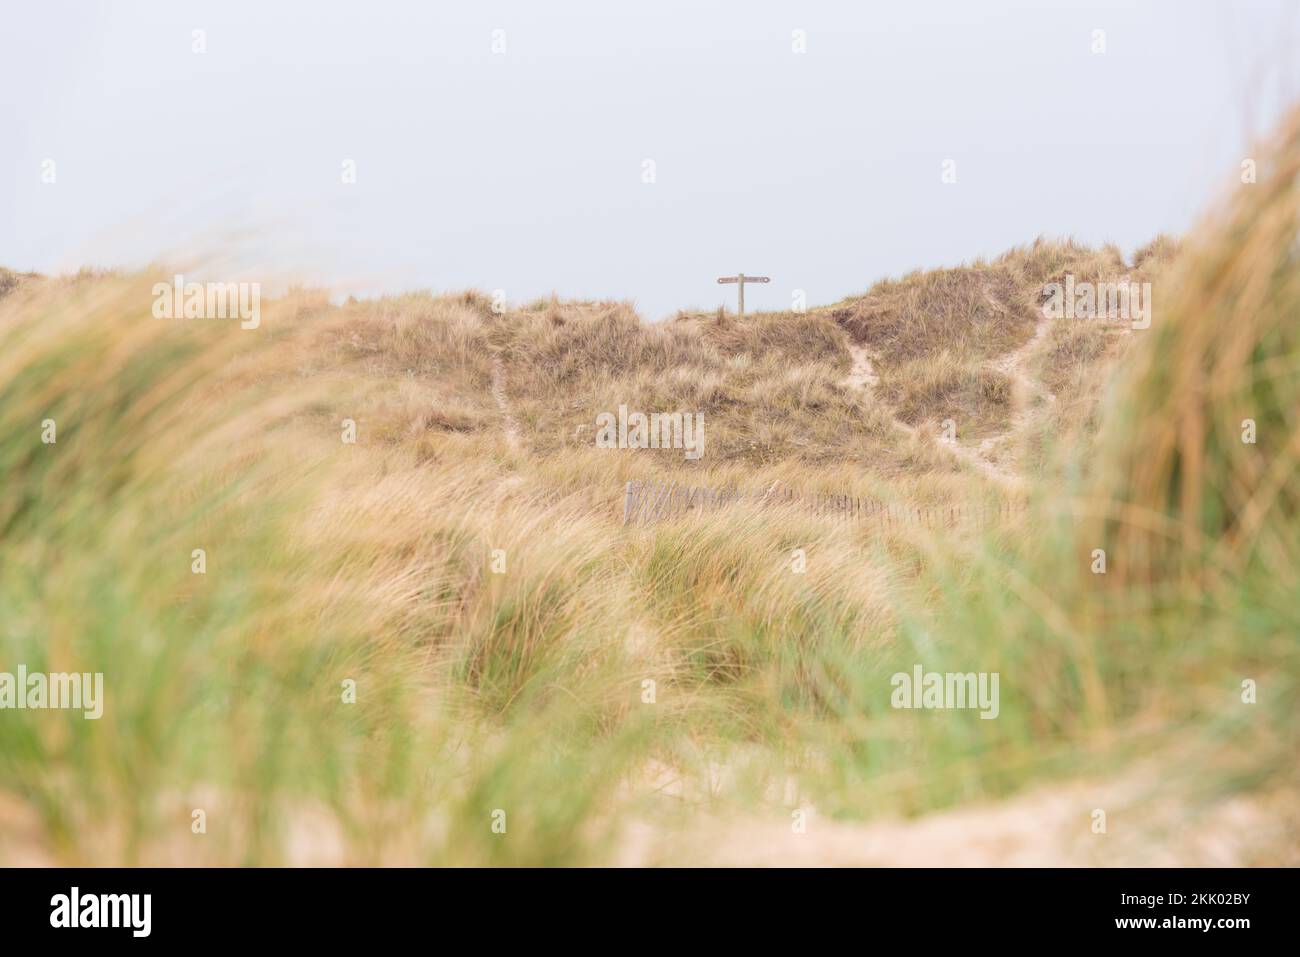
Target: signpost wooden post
[740,279]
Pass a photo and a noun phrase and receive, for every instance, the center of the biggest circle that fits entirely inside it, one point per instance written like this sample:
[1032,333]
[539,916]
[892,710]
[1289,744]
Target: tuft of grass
[942,387]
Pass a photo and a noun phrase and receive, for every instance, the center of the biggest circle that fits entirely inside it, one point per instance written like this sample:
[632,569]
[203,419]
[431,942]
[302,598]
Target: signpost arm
[740,279]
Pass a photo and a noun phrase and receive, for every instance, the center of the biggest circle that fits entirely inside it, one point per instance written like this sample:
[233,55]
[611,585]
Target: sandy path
[511,424]
[1025,389]
[1013,365]
[862,376]
[1148,823]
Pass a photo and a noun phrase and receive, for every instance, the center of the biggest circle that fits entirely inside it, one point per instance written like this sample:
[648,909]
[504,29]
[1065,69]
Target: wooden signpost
[741,279]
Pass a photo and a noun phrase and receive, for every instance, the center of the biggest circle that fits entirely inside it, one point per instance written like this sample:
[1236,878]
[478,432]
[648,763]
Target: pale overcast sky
[523,170]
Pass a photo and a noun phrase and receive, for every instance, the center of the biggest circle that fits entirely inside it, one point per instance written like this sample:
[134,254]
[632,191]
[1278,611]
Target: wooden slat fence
[646,502]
